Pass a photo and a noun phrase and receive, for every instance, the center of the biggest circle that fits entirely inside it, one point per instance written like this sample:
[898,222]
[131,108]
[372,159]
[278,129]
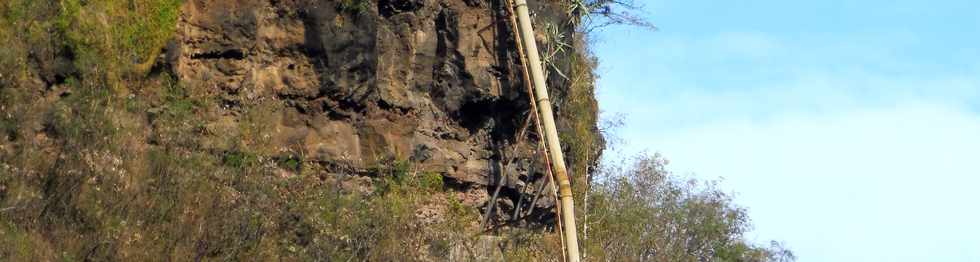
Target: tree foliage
[594,14]
[641,212]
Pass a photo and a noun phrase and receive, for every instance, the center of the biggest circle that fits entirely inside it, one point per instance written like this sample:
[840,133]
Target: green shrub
[291,163]
[239,160]
[117,37]
[431,181]
[355,7]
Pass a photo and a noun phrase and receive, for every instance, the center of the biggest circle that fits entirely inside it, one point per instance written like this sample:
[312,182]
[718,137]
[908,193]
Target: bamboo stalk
[537,124]
[551,131]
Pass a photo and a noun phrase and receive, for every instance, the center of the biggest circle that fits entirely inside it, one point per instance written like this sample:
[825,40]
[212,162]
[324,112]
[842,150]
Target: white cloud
[829,184]
[847,147]
[852,136]
[831,164]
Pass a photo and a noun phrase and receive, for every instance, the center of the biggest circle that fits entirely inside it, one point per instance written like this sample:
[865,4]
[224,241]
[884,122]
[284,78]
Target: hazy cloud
[848,147]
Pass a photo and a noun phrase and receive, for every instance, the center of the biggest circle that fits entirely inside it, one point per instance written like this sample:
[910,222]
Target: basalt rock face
[435,83]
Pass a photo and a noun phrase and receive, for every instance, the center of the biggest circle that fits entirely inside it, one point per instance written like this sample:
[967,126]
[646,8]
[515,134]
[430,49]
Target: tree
[642,212]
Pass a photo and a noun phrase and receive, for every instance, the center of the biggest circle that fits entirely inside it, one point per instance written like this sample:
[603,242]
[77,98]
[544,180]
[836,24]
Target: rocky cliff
[125,120]
[435,83]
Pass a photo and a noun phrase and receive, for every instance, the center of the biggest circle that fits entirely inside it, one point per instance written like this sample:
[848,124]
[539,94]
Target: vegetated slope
[312,129]
[316,130]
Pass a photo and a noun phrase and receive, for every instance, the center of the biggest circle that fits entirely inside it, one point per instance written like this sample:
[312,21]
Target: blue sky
[849,129]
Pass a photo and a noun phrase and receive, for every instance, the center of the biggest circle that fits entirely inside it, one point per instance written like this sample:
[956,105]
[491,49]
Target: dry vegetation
[102,159]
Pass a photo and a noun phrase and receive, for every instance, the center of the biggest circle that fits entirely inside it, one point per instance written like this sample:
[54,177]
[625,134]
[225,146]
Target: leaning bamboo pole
[551,131]
[537,125]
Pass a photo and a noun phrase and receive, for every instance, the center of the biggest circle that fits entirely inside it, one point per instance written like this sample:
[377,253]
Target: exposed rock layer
[432,82]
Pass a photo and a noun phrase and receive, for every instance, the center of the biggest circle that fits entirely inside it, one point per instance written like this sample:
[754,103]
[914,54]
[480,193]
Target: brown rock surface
[434,82]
